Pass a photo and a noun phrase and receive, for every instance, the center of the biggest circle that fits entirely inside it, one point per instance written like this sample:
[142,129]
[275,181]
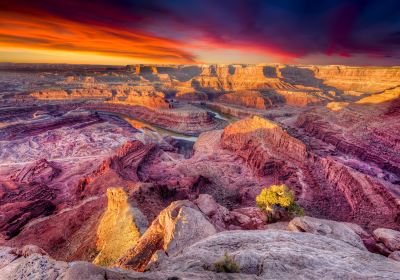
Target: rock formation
[119,228]
[176,227]
[388,242]
[332,229]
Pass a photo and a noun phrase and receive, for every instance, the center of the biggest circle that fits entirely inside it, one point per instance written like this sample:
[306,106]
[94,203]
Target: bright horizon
[200,32]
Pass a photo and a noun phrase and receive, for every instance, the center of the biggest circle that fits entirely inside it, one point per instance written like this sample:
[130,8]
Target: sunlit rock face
[118,229]
[89,154]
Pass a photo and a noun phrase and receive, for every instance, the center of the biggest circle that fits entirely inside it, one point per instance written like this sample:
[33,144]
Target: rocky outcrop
[332,229]
[189,94]
[176,227]
[391,238]
[281,254]
[395,256]
[119,229]
[17,215]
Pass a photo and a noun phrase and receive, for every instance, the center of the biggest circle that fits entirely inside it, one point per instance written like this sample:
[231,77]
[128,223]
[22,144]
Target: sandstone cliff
[119,228]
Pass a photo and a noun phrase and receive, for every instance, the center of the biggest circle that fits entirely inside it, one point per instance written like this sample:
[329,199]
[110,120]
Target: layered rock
[117,169]
[385,96]
[234,77]
[322,183]
[87,93]
[371,203]
[301,98]
[352,131]
[145,96]
[40,172]
[252,99]
[352,78]
[255,139]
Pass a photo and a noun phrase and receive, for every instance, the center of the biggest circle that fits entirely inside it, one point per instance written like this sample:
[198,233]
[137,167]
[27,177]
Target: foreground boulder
[389,237]
[388,242]
[332,229]
[272,254]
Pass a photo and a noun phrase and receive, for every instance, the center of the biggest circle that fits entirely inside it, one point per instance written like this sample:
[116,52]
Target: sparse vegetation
[278,197]
[226,265]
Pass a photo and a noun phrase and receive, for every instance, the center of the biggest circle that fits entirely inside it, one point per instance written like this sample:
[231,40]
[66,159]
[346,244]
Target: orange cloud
[52,33]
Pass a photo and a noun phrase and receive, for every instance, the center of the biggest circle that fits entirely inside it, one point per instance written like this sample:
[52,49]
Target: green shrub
[227,265]
[278,196]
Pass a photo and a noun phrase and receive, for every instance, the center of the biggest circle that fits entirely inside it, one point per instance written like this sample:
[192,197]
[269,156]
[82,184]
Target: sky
[119,32]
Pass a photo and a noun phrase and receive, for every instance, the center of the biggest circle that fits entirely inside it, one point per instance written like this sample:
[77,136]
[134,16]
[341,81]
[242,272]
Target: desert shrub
[278,197]
[227,265]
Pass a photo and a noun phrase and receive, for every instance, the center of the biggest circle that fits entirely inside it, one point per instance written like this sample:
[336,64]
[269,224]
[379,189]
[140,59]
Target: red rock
[257,140]
[123,165]
[325,186]
[40,172]
[252,99]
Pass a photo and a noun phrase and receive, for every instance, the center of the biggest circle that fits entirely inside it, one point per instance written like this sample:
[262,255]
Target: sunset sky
[364,32]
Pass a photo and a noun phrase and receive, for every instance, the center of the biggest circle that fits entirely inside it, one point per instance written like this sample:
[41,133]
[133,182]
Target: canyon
[152,171]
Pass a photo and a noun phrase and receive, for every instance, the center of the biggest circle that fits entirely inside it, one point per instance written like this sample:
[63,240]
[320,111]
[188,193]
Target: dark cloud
[291,28]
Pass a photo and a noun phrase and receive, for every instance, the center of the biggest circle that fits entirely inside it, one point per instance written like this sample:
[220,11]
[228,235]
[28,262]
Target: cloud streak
[179,31]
